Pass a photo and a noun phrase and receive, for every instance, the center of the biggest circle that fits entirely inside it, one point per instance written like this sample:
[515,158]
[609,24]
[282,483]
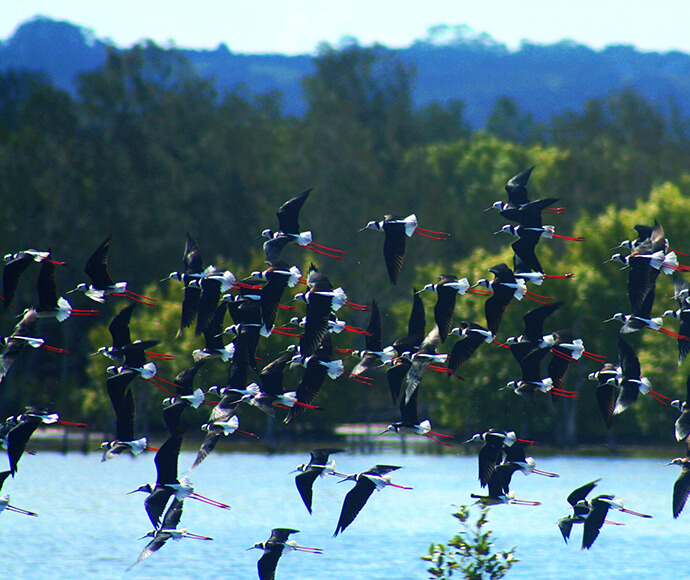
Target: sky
[298,26]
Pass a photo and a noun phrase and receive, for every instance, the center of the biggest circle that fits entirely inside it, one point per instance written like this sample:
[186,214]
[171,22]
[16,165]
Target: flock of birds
[254,303]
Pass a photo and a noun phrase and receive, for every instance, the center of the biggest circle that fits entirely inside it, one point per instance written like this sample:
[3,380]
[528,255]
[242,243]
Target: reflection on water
[88,526]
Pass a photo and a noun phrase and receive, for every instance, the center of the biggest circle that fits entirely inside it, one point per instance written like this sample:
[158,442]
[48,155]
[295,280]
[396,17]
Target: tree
[474,557]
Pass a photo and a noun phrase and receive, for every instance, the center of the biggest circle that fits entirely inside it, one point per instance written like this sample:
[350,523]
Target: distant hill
[544,80]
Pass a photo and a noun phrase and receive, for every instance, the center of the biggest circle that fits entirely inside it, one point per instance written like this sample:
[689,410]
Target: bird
[289,231]
[599,507]
[547,232]
[122,339]
[193,270]
[167,483]
[504,288]
[527,214]
[529,358]
[5,499]
[21,337]
[499,488]
[682,423]
[278,276]
[515,454]
[316,368]
[681,487]
[373,352]
[410,423]
[494,442]
[447,289]
[213,285]
[630,379]
[516,188]
[396,230]
[213,338]
[318,466]
[49,304]
[167,531]
[245,311]
[421,359]
[15,265]
[269,393]
[273,549]
[122,399]
[374,478]
[578,501]
[471,338]
[101,283]
[322,300]
[223,420]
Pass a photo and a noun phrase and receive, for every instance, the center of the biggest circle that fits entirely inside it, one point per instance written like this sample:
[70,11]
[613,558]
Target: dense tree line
[149,151]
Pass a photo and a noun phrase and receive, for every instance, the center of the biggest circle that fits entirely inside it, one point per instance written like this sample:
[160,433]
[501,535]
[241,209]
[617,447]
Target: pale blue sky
[297,26]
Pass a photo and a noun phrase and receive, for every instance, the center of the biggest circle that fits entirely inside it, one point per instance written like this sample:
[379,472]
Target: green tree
[470,553]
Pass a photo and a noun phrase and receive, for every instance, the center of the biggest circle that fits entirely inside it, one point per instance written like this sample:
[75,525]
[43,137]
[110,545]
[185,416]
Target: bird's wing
[394,249]
[304,482]
[396,375]
[354,501]
[191,258]
[517,187]
[10,276]
[155,504]
[97,265]
[565,525]
[119,326]
[627,360]
[593,522]
[269,561]
[463,349]
[17,439]
[582,492]
[190,307]
[681,491]
[606,399]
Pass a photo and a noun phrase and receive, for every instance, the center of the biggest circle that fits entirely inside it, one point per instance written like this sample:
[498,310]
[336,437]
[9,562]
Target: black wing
[354,501]
[288,214]
[97,265]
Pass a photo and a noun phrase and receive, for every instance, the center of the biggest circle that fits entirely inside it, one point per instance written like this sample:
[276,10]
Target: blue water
[88,527]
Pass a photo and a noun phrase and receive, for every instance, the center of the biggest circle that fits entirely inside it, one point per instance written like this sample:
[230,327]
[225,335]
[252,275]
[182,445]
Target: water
[88,527]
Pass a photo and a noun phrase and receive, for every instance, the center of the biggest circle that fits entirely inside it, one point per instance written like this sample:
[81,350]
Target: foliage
[470,553]
[150,151]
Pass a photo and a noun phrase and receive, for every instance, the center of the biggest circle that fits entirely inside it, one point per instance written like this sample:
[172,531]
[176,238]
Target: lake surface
[88,527]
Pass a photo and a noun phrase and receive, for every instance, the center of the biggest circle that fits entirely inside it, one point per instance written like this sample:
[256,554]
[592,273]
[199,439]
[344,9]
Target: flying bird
[167,531]
[274,548]
[101,283]
[318,466]
[375,478]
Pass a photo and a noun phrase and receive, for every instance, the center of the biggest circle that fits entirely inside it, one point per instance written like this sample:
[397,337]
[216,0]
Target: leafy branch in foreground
[470,552]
